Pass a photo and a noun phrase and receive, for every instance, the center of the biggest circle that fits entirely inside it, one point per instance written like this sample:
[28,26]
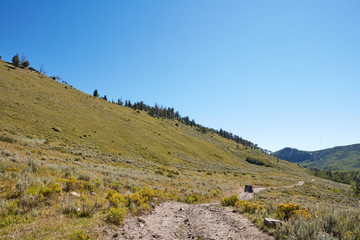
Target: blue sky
[278,73]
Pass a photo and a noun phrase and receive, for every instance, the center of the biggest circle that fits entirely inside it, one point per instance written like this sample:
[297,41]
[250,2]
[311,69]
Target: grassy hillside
[33,105]
[337,158]
[56,140]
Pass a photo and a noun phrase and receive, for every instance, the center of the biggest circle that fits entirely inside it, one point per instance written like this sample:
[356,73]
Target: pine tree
[120,102]
[16,60]
[356,186]
[96,93]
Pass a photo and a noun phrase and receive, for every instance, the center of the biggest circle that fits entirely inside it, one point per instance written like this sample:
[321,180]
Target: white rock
[272,222]
[75,194]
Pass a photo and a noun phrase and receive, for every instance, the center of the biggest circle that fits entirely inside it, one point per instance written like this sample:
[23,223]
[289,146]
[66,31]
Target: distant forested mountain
[337,158]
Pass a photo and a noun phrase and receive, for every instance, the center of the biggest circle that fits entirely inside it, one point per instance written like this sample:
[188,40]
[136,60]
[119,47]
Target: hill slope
[73,165]
[32,105]
[337,158]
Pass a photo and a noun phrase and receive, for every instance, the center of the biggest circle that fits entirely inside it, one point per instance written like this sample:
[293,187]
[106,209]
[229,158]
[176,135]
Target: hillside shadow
[9,67]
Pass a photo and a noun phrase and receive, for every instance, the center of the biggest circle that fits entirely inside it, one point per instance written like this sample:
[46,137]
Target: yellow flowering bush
[116,200]
[287,211]
[250,207]
[229,201]
[147,192]
[193,198]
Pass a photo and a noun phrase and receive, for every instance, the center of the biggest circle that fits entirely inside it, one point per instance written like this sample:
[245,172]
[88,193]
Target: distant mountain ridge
[337,158]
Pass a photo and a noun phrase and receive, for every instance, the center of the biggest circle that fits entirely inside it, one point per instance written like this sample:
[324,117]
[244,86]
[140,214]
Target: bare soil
[174,220]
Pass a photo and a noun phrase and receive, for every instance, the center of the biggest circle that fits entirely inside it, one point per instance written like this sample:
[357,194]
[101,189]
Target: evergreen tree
[16,60]
[356,186]
[105,97]
[96,94]
[157,110]
[177,115]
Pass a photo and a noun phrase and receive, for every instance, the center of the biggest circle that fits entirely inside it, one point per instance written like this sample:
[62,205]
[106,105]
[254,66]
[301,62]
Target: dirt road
[174,220]
[247,196]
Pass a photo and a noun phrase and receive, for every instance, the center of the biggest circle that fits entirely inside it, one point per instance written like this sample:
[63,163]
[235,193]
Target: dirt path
[247,195]
[174,220]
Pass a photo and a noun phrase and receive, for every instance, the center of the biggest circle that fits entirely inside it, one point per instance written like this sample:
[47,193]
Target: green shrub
[25,64]
[257,162]
[110,193]
[7,139]
[193,198]
[72,185]
[33,166]
[84,176]
[249,207]
[116,215]
[46,191]
[70,206]
[79,235]
[89,186]
[9,207]
[28,201]
[88,208]
[56,188]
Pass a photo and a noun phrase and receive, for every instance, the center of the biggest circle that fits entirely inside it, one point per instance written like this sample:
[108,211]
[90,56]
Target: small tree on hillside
[105,97]
[24,62]
[96,93]
[16,60]
[356,186]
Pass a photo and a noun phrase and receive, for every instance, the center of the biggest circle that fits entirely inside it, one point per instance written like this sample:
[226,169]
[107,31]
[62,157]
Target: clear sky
[278,73]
